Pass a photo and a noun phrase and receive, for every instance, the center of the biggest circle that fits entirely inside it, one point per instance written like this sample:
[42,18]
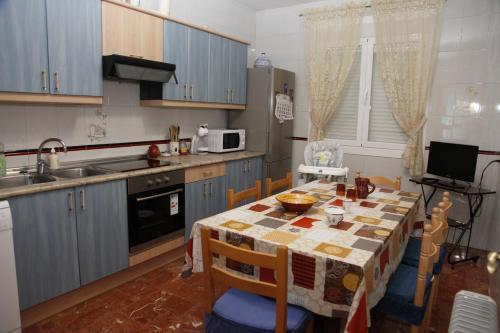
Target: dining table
[333,270]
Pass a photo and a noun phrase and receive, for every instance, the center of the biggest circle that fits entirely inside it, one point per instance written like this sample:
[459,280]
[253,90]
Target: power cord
[481,182]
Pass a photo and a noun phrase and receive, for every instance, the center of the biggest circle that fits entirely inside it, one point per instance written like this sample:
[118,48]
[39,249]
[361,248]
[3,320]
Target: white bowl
[334,215]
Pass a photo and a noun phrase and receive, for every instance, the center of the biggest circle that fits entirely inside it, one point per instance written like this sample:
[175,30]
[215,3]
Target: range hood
[123,68]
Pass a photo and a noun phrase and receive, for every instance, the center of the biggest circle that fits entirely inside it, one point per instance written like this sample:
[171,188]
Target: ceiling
[268,4]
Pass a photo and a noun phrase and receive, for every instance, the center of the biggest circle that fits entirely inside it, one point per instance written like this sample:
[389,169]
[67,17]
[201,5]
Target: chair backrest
[272,186]
[234,198]
[383,181]
[445,206]
[278,263]
[428,254]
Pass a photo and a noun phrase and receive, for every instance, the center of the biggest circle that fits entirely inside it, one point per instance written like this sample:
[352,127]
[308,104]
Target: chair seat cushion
[238,311]
[398,299]
[412,255]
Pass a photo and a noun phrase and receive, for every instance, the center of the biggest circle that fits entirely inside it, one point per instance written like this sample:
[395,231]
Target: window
[363,118]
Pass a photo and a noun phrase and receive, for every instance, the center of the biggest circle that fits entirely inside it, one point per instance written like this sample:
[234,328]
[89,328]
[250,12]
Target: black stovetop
[131,165]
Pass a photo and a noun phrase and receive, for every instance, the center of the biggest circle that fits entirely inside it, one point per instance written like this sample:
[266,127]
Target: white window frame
[362,145]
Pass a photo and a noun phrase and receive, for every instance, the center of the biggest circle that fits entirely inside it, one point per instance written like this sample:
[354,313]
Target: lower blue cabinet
[45,245]
[204,198]
[66,238]
[101,214]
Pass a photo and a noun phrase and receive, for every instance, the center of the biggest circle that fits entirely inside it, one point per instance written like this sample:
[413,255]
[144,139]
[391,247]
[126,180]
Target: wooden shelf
[29,98]
[160,103]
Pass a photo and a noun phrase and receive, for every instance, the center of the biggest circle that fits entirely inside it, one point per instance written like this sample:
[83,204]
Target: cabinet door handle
[211,189]
[232,95]
[205,190]
[185,91]
[248,168]
[44,80]
[227,95]
[192,91]
[71,203]
[244,166]
[56,81]
[82,199]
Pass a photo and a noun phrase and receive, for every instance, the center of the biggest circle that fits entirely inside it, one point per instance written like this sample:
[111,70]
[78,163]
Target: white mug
[334,215]
[174,148]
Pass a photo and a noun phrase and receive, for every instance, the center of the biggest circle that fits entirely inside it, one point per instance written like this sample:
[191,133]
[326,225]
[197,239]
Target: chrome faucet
[40,163]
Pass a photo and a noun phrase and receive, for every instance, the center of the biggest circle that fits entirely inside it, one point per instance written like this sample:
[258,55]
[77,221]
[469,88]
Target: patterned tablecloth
[339,271]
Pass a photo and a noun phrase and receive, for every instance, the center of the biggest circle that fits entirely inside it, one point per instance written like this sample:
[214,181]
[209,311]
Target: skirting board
[47,309]
[28,98]
[160,103]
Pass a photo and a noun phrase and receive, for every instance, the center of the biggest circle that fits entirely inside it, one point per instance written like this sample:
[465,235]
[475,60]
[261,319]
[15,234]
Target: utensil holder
[174,148]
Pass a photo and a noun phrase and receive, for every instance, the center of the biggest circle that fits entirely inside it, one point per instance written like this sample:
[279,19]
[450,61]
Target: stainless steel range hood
[123,68]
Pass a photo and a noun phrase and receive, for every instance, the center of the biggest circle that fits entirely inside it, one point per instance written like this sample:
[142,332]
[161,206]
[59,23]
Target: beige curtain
[407,35]
[331,37]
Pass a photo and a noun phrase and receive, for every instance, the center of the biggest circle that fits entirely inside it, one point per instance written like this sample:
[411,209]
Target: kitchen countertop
[179,162]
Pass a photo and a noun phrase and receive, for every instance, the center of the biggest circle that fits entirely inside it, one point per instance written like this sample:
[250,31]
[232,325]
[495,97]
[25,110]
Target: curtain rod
[367,6]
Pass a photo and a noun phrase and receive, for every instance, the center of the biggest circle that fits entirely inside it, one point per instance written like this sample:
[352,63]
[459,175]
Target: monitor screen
[453,161]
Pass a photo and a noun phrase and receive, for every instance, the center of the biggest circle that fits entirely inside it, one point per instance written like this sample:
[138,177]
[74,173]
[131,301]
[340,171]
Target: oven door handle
[159,195]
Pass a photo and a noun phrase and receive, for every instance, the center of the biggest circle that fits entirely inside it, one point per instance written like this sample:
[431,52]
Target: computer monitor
[454,161]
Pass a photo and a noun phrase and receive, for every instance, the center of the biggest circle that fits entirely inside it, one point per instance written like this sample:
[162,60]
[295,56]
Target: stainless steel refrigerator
[264,132]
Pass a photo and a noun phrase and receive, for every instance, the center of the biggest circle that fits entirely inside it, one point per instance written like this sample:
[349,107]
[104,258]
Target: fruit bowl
[296,202]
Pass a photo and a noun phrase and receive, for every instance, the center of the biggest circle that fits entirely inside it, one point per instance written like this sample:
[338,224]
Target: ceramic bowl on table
[296,202]
[334,215]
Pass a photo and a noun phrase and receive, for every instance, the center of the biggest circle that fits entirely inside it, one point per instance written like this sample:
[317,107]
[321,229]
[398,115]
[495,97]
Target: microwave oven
[226,140]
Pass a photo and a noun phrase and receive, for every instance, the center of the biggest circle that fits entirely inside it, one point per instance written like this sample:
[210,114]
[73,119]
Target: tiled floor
[162,301]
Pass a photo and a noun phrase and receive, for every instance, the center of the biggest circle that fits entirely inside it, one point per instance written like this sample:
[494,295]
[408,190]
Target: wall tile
[478,7]
[13,126]
[454,8]
[475,32]
[451,35]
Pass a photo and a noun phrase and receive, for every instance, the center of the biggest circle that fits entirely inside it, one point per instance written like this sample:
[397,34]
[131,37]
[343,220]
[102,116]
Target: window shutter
[382,127]
[344,123]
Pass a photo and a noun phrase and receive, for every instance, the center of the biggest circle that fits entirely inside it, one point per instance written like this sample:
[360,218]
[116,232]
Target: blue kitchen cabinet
[175,51]
[51,46]
[238,72]
[67,238]
[242,174]
[24,60]
[45,244]
[204,198]
[218,89]
[74,45]
[198,65]
[227,71]
[101,214]
[196,205]
[187,48]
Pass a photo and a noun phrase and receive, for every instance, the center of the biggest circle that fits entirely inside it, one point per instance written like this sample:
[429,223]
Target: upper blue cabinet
[211,70]
[227,71]
[24,63]
[51,48]
[74,38]
[187,48]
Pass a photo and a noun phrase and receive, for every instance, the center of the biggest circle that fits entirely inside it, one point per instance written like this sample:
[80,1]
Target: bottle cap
[52,151]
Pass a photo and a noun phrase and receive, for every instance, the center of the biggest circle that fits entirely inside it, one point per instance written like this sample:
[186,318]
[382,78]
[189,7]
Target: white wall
[469,60]
[25,126]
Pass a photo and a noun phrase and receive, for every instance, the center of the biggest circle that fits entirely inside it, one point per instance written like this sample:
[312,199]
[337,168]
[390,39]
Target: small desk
[475,200]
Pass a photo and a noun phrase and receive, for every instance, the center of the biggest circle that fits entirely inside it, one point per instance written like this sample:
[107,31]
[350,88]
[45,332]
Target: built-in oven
[155,206]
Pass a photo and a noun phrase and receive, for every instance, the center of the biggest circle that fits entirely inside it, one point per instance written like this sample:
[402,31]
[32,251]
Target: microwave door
[230,141]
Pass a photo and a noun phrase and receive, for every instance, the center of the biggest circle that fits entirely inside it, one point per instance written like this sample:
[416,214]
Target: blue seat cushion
[238,311]
[412,255]
[398,299]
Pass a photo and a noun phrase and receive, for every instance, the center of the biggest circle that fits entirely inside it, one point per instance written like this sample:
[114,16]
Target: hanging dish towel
[284,108]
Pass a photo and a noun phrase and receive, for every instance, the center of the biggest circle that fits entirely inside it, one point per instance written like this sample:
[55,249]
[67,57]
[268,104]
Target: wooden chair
[272,186]
[383,181]
[234,198]
[241,307]
[409,295]
[412,252]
